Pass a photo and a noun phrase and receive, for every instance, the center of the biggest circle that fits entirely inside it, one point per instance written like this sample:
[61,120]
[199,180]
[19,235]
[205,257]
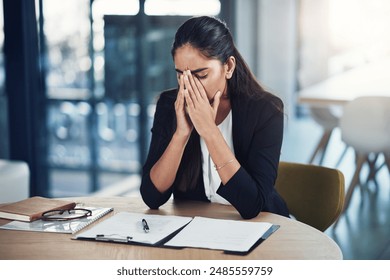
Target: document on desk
[227,235]
[126,227]
[71,226]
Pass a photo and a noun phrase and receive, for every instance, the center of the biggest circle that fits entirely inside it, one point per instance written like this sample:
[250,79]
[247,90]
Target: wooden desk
[370,80]
[293,240]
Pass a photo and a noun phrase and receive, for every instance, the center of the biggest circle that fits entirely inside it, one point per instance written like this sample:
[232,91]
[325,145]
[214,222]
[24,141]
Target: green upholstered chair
[314,194]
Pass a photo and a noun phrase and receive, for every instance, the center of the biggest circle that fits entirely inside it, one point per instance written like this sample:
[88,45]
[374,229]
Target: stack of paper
[228,235]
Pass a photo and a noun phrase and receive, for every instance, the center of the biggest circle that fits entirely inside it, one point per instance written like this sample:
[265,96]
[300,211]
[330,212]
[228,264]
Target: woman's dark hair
[213,39]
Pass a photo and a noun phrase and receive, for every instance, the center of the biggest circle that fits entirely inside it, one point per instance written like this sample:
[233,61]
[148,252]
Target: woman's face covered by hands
[211,74]
[202,82]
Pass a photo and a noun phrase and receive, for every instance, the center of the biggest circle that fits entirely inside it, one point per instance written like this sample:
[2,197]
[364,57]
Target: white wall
[277,42]
[247,32]
[314,48]
[266,36]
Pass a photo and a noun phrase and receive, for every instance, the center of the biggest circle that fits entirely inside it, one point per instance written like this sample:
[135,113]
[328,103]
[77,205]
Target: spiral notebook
[72,226]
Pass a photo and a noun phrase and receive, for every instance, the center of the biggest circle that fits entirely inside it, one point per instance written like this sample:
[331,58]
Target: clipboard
[126,227]
[267,234]
[230,236]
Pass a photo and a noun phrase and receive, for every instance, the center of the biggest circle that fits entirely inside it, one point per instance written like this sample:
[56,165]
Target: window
[3,101]
[358,33]
[340,35]
[103,73]
[182,8]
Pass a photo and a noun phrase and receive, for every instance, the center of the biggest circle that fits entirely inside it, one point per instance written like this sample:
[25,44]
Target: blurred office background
[79,80]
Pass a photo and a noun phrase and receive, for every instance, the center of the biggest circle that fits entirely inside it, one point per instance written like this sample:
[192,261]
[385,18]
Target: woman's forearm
[163,173]
[224,159]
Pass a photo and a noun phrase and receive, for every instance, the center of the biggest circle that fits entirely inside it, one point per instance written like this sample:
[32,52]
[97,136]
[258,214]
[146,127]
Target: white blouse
[211,178]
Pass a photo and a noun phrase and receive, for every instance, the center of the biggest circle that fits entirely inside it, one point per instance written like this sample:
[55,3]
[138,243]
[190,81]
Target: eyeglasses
[66,214]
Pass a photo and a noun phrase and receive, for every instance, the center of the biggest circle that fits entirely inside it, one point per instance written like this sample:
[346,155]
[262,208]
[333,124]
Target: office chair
[314,194]
[328,118]
[365,126]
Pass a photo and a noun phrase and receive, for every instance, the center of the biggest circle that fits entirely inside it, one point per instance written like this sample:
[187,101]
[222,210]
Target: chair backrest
[365,124]
[314,194]
[327,117]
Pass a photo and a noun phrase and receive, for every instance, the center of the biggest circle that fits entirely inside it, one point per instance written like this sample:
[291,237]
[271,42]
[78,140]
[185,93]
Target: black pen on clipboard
[145,225]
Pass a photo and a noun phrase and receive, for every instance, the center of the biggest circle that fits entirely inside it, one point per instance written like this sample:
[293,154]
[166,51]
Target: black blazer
[257,140]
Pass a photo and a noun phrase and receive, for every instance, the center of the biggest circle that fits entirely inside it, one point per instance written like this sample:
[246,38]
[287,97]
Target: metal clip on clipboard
[113,238]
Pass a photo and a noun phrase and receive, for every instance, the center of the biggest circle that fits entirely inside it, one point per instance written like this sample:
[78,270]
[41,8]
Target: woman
[218,136]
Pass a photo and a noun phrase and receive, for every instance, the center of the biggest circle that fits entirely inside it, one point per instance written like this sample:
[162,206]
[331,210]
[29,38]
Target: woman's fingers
[189,87]
[195,88]
[189,102]
[217,99]
[199,86]
[180,94]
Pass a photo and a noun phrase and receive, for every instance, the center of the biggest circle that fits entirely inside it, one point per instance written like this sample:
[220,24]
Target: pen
[145,225]
[113,238]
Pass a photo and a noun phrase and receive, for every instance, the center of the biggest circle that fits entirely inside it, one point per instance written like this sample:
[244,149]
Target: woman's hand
[201,113]
[184,125]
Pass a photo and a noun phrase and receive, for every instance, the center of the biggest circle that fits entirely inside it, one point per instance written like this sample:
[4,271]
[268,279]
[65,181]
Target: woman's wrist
[179,137]
[211,134]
